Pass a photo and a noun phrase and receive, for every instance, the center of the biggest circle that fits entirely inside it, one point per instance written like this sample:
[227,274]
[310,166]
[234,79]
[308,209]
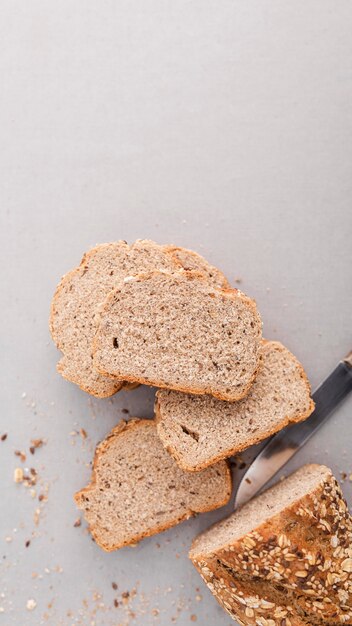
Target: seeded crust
[75,305]
[200,430]
[177,332]
[285,558]
[137,490]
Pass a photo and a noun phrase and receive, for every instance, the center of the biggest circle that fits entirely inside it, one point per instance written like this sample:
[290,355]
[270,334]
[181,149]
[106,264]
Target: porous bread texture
[284,558]
[200,430]
[75,305]
[137,489]
[176,331]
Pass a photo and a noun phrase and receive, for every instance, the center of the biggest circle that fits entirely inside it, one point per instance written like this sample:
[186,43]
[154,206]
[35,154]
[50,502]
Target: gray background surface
[221,126]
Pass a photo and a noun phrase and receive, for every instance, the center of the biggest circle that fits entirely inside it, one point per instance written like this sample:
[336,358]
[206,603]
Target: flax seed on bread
[75,305]
[176,331]
[200,430]
[137,489]
[284,558]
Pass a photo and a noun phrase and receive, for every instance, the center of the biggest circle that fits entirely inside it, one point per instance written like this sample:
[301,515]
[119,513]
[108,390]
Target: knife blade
[282,446]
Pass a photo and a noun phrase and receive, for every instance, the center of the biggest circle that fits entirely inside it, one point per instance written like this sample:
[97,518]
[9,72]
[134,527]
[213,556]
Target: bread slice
[176,331]
[137,489]
[75,306]
[200,430]
[285,558]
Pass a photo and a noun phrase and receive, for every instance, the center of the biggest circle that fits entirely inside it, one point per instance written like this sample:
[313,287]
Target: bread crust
[221,280]
[293,569]
[117,431]
[232,450]
[231,293]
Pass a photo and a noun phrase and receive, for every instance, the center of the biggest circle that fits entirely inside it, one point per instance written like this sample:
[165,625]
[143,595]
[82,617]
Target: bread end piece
[286,555]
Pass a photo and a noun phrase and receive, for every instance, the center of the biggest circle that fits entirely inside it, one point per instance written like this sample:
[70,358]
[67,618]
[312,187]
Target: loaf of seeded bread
[176,331]
[75,305]
[137,489]
[285,558]
[200,430]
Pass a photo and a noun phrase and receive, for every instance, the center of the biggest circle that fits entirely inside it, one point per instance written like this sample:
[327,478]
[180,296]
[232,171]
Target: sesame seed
[18,475]
[31,604]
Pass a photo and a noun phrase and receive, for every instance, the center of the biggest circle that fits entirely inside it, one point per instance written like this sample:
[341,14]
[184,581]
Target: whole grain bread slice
[137,489]
[200,430]
[176,331]
[285,558]
[75,305]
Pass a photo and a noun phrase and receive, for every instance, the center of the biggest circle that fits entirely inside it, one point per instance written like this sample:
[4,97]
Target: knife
[282,446]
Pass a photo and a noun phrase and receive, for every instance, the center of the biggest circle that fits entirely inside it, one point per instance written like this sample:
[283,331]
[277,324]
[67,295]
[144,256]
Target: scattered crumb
[116,604]
[31,604]
[36,516]
[155,612]
[3,437]
[21,455]
[124,411]
[77,523]
[114,586]
[125,596]
[18,475]
[343,475]
[198,597]
[248,480]
[8,539]
[193,618]
[83,433]
[36,443]
[238,280]
[28,543]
